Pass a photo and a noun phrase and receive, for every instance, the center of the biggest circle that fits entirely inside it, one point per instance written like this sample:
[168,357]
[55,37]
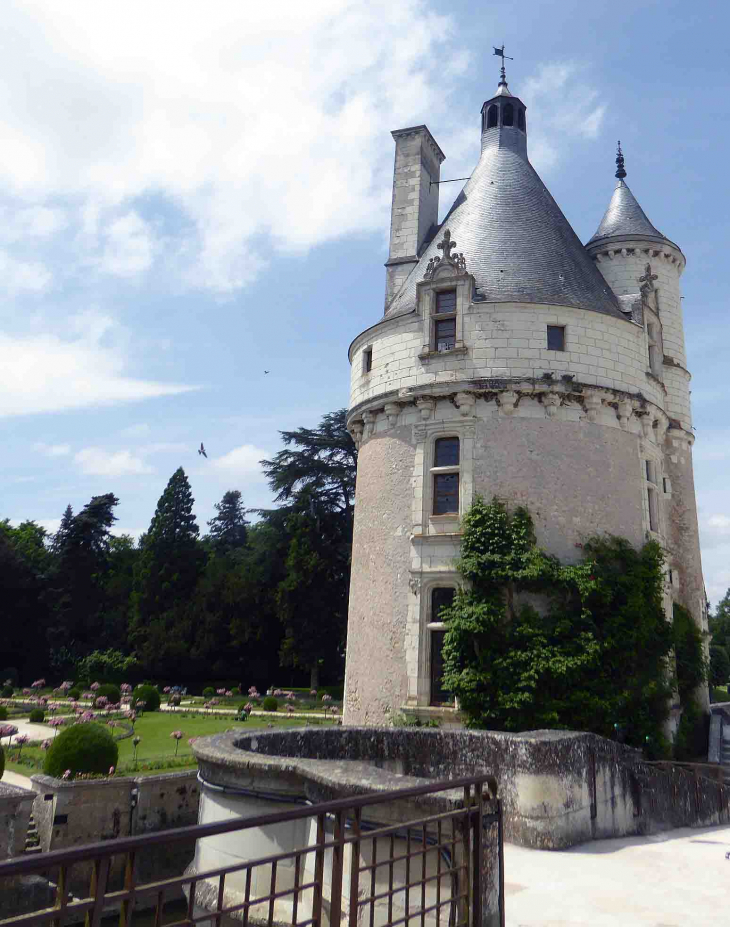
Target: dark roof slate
[624,217]
[516,241]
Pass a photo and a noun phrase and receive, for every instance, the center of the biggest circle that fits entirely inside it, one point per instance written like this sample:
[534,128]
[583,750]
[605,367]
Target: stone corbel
[392,410]
[356,430]
[625,411]
[551,401]
[508,401]
[593,404]
[427,407]
[465,403]
[646,426]
[369,419]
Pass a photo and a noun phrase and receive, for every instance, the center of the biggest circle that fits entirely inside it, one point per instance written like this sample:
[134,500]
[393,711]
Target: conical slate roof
[515,240]
[624,217]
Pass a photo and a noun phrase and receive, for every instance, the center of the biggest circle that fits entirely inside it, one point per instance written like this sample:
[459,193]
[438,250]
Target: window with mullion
[445,334]
[445,302]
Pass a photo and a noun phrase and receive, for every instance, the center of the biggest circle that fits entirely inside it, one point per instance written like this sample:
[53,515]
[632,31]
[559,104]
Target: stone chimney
[414,215]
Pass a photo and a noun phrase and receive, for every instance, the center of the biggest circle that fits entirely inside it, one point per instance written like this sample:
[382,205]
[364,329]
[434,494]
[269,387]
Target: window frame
[436,471]
[556,327]
[367,360]
[438,318]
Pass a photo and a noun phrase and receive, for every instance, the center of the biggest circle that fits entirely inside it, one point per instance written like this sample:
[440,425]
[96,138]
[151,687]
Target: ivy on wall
[533,643]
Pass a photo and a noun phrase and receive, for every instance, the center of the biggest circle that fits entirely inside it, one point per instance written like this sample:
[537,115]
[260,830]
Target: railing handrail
[105,848]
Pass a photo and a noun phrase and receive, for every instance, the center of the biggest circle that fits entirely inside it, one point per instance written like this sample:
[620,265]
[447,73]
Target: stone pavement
[676,879]
[13,778]
[33,731]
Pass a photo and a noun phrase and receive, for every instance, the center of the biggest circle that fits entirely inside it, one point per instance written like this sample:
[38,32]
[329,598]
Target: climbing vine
[534,643]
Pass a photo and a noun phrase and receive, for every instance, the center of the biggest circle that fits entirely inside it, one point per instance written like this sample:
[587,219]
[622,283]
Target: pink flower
[67,774]
[290,696]
[102,701]
[45,745]
[39,683]
[220,691]
[125,688]
[290,708]
[278,693]
[178,735]
[191,740]
[312,691]
[326,697]
[8,730]
[248,706]
[111,770]
[253,692]
[166,689]
[95,686]
[27,691]
[229,693]
[21,739]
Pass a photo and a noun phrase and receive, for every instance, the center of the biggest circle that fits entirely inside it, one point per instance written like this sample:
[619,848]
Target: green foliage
[692,666]
[270,703]
[593,656]
[719,665]
[111,665]
[74,693]
[2,762]
[720,623]
[228,527]
[208,692]
[3,713]
[82,748]
[37,716]
[7,692]
[149,695]
[110,692]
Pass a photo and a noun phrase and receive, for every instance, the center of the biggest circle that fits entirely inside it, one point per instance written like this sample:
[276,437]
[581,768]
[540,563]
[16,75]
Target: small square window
[667,485]
[367,360]
[556,337]
[651,471]
[446,302]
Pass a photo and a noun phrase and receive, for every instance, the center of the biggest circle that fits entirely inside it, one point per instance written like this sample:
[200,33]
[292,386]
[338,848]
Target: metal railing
[428,856]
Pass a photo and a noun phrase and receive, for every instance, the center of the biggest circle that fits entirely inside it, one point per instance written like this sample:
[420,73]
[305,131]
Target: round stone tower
[510,361]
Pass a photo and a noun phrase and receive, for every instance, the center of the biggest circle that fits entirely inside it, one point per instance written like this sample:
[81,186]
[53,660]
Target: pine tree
[228,527]
[166,575]
[60,537]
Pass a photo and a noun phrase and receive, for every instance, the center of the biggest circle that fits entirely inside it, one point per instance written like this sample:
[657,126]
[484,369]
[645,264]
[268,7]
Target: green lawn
[156,749]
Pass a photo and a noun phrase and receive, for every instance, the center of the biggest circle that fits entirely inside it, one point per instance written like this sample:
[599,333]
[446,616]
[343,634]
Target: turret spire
[502,88]
[620,169]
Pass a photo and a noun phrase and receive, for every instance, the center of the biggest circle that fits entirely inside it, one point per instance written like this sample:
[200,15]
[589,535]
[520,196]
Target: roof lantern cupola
[503,116]
[624,218]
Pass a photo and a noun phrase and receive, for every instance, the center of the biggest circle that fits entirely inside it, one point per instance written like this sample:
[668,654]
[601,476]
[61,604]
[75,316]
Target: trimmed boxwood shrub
[110,692]
[147,694]
[3,713]
[208,692]
[82,748]
[7,692]
[74,693]
[37,716]
[270,703]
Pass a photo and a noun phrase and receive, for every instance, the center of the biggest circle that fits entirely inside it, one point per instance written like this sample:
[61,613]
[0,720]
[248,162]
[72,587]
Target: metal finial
[502,73]
[620,169]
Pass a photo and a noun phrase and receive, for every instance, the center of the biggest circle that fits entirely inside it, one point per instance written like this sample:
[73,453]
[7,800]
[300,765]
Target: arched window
[508,115]
[521,119]
[492,116]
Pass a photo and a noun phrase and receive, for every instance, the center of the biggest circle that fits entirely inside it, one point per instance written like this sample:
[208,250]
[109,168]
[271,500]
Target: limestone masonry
[513,361]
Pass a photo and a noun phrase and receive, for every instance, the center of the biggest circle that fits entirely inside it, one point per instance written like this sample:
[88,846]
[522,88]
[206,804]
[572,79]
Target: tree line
[256,591]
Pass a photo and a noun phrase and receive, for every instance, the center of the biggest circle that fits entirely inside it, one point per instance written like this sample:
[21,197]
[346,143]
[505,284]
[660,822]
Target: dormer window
[444,325]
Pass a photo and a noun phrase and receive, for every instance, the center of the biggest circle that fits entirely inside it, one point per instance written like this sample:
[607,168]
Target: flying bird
[267,371]
[201,450]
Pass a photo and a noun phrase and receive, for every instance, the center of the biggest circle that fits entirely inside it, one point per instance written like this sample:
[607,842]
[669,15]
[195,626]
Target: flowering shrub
[95,686]
[126,689]
[326,697]
[253,692]
[220,691]
[38,684]
[8,730]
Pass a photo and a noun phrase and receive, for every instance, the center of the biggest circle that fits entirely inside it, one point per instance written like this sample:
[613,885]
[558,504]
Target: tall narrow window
[651,471]
[444,326]
[367,360]
[441,597]
[521,119]
[446,476]
[492,116]
[556,337]
[508,115]
[653,512]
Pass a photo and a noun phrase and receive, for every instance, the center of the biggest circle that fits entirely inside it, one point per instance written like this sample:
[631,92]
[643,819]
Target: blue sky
[191,194]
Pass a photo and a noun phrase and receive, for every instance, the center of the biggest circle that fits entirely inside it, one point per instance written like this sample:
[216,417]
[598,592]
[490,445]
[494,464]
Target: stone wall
[558,788]
[73,813]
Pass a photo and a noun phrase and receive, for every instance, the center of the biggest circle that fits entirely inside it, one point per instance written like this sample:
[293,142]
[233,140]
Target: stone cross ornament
[455,261]
[647,284]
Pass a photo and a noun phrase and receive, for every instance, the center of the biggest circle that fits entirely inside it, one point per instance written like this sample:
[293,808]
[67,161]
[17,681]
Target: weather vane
[500,53]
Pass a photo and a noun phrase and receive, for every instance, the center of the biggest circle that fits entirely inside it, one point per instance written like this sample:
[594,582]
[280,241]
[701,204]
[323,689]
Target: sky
[193,194]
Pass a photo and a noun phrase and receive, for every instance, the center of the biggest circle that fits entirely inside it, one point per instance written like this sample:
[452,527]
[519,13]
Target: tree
[719,666]
[720,623]
[165,579]
[324,464]
[228,527]
[76,594]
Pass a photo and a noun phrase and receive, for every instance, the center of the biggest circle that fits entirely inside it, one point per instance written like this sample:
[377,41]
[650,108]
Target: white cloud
[247,123]
[17,276]
[579,114]
[241,462]
[52,450]
[45,373]
[96,461]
